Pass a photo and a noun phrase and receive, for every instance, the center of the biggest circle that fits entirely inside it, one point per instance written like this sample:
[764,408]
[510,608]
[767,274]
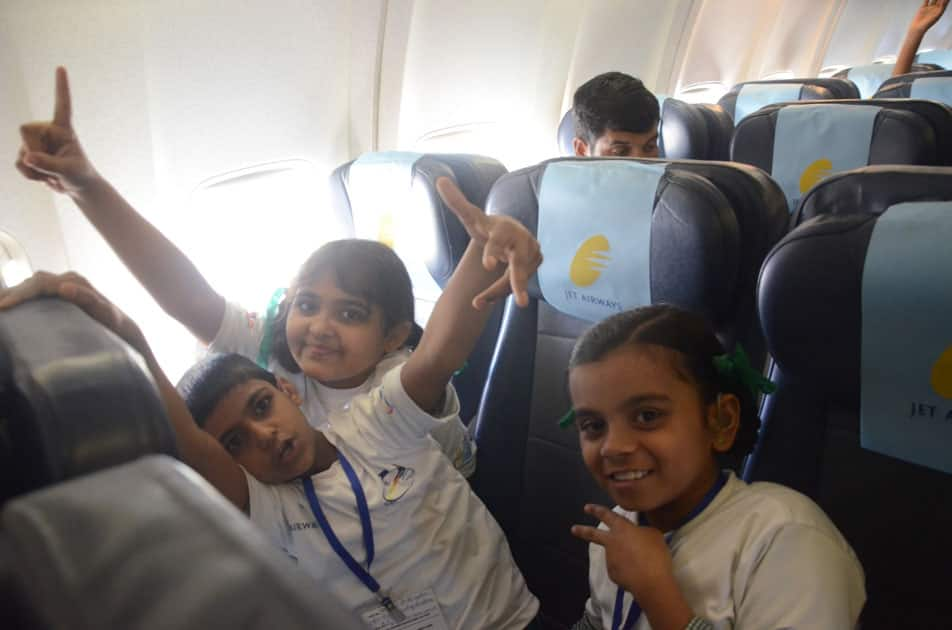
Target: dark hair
[692,338]
[205,384]
[364,268]
[613,100]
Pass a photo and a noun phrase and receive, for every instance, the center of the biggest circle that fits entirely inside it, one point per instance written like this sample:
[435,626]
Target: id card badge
[420,611]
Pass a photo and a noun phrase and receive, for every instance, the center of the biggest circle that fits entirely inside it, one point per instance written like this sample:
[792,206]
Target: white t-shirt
[242,332]
[430,530]
[760,557]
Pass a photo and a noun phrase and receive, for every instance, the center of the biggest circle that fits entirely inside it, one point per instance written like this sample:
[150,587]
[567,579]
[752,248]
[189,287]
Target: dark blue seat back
[149,545]
[712,223]
[894,513]
[74,398]
[785,90]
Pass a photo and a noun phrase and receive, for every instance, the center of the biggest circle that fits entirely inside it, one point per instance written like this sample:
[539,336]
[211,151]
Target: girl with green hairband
[657,403]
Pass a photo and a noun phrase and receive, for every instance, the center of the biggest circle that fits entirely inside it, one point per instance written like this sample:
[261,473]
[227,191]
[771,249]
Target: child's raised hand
[928,14]
[636,558]
[74,288]
[504,240]
[51,151]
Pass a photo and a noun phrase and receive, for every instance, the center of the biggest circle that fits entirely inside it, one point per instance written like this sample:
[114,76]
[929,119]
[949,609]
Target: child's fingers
[590,534]
[472,217]
[45,163]
[63,109]
[94,304]
[25,170]
[497,290]
[524,259]
[605,515]
[40,284]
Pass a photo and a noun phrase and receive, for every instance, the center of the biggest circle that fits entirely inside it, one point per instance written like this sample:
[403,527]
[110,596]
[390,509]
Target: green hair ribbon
[735,367]
[264,351]
[567,419]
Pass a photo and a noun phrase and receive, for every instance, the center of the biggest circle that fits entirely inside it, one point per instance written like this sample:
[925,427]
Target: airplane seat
[855,310]
[930,86]
[745,98]
[720,130]
[149,544]
[687,131]
[800,144]
[665,234]
[869,77]
[940,57]
[391,197]
[74,398]
[872,190]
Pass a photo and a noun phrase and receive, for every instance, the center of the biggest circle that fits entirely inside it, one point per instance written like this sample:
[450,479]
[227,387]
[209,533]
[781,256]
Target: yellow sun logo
[589,262]
[385,230]
[819,170]
[941,379]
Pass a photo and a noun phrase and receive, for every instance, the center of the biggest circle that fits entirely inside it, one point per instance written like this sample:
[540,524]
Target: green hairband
[735,367]
[732,366]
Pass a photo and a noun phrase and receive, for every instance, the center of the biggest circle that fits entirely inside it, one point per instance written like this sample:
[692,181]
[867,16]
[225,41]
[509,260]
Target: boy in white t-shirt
[371,507]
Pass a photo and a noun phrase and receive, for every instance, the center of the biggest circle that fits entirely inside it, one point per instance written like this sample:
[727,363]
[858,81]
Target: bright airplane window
[14,264]
[777,76]
[705,92]
[249,230]
[829,71]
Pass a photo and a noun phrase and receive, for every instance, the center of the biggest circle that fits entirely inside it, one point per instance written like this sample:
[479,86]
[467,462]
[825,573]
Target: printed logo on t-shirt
[387,407]
[252,319]
[396,482]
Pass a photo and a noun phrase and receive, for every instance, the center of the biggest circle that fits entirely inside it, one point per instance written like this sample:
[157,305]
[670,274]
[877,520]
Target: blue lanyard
[368,531]
[635,611]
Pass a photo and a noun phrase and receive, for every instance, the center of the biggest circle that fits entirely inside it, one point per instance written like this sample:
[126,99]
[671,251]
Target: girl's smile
[336,337]
[644,431]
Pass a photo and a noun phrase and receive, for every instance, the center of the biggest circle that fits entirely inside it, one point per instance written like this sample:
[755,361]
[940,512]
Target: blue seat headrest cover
[906,390]
[593,273]
[811,142]
[753,96]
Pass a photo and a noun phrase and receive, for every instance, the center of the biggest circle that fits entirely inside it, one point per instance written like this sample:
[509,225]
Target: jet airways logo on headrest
[815,173]
[941,379]
[589,262]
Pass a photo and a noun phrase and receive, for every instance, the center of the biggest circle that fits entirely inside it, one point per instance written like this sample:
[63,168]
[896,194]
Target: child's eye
[262,405]
[647,416]
[353,315]
[233,443]
[589,426]
[305,306]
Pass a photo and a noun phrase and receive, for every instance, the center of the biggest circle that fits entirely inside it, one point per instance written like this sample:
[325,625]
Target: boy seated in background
[615,116]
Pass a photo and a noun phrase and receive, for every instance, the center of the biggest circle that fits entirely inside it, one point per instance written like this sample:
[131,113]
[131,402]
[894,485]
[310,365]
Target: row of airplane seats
[854,306]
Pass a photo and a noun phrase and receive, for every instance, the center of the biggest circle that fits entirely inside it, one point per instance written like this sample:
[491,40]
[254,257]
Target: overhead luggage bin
[74,398]
[616,233]
[391,197]
[746,98]
[149,545]
[854,304]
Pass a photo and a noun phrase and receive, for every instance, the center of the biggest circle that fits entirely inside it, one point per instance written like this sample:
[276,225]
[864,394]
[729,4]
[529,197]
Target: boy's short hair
[207,382]
[613,100]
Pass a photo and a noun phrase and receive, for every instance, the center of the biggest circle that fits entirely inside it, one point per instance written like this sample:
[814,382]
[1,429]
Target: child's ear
[288,388]
[723,420]
[580,147]
[397,336]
